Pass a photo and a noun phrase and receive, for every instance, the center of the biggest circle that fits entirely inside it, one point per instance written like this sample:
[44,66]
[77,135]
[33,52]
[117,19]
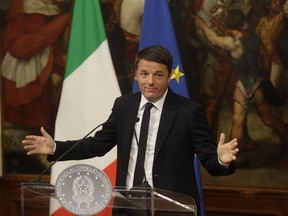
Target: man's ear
[170,75]
[135,75]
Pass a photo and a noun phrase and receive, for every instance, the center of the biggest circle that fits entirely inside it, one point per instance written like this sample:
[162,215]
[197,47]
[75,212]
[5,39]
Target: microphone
[145,183]
[38,178]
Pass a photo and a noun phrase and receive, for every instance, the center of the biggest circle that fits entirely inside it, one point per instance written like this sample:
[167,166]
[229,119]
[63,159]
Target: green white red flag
[89,89]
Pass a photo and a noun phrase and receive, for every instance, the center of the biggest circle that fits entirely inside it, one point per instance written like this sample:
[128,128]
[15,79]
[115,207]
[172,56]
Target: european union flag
[157,29]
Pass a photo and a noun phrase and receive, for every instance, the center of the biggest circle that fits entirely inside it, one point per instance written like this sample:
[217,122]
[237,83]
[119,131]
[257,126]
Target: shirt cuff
[223,164]
[54,149]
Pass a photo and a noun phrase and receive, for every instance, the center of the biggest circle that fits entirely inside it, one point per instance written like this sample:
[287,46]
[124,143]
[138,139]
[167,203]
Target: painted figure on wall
[251,87]
[282,47]
[269,28]
[130,19]
[33,60]
[216,75]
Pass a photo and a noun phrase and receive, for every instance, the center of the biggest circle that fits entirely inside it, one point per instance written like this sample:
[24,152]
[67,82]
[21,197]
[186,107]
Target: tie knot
[148,106]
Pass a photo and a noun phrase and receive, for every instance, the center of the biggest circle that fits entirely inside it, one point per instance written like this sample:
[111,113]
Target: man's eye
[159,75]
[144,74]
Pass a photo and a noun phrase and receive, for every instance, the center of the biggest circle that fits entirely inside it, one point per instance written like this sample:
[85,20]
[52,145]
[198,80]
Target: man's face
[153,79]
[275,6]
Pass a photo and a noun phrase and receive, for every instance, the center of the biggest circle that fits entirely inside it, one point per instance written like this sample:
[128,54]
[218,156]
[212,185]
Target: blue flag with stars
[157,29]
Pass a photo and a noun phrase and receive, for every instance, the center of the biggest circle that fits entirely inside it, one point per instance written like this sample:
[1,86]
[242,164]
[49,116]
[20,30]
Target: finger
[44,132]
[31,152]
[233,144]
[30,137]
[235,151]
[28,142]
[29,147]
[221,139]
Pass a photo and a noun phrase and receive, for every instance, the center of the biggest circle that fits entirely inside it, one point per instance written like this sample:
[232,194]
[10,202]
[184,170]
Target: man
[269,28]
[253,88]
[177,131]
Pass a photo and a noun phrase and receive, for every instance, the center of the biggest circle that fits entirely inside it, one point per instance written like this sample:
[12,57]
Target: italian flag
[89,89]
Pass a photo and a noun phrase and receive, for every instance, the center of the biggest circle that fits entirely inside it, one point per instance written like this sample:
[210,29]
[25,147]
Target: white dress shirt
[155,114]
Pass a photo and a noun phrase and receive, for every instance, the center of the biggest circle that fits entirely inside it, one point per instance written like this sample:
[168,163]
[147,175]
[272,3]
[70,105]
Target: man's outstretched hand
[39,144]
[227,151]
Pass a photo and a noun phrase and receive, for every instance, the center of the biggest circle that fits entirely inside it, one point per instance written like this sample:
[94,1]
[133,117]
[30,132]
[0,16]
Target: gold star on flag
[176,74]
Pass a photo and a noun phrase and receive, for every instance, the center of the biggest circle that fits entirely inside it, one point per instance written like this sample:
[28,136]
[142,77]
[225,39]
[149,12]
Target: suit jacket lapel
[130,116]
[167,117]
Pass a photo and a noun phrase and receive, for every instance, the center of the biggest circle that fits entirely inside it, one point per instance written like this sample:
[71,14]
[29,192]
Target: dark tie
[139,169]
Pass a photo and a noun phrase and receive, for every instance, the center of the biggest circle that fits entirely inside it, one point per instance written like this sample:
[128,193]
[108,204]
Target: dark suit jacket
[183,132]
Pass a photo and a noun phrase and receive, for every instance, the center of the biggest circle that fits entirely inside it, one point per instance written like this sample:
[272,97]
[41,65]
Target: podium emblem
[83,189]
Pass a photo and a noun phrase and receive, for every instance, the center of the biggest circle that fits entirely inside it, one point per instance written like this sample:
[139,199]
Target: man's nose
[151,79]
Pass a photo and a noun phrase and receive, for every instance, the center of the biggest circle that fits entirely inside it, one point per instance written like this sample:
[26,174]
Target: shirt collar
[158,104]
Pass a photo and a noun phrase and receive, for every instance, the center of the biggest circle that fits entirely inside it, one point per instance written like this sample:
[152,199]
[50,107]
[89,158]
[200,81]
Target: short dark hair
[235,19]
[155,53]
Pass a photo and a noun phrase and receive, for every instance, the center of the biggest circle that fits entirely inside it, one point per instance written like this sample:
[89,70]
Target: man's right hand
[39,144]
